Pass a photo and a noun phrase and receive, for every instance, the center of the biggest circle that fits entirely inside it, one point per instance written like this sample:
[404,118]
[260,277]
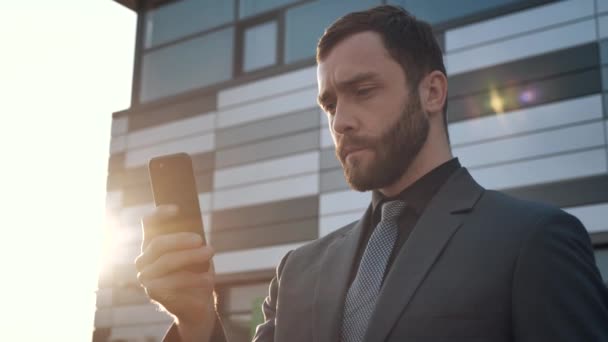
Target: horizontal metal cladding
[525,121]
[333,180]
[175,130]
[546,169]
[116,162]
[128,177]
[267,149]
[265,235]
[548,39]
[518,23]
[267,170]
[509,98]
[524,147]
[131,315]
[267,128]
[267,191]
[104,297]
[333,222]
[549,77]
[251,260]
[593,217]
[268,87]
[267,213]
[273,106]
[155,114]
[344,201]
[582,57]
[267,224]
[328,159]
[237,298]
[124,275]
[200,143]
[332,175]
[568,193]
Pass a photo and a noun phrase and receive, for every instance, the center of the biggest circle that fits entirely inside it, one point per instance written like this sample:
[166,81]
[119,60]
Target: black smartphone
[173,182]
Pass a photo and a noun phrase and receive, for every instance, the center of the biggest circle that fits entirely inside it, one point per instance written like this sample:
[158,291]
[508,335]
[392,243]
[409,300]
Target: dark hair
[409,41]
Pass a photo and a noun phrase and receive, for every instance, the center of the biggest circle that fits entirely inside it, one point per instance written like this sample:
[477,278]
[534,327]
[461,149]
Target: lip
[350,151]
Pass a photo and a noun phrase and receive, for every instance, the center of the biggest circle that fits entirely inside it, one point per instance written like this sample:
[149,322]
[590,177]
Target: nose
[343,121]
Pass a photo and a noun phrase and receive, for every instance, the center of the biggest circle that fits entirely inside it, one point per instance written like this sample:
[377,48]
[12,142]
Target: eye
[364,91]
[329,108]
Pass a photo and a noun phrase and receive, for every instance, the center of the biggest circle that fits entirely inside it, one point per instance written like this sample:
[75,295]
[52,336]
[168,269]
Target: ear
[433,91]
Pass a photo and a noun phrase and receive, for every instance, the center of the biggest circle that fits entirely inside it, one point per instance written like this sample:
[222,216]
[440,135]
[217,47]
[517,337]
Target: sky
[65,66]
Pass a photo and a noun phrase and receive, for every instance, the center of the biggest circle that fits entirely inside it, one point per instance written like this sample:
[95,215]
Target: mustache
[349,143]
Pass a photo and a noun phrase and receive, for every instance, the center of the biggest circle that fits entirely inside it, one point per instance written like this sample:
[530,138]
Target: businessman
[435,257]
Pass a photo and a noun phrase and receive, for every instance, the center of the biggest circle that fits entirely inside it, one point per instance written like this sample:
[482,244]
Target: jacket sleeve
[265,331]
[558,293]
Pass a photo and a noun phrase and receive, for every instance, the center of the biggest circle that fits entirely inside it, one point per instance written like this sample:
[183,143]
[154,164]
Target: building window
[187,65]
[440,11]
[307,22]
[249,8]
[182,18]
[260,46]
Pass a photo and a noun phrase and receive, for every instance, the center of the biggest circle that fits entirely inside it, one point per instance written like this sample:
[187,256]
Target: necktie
[363,292]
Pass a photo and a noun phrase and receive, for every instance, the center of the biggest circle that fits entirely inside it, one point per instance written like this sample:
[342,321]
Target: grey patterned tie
[363,292]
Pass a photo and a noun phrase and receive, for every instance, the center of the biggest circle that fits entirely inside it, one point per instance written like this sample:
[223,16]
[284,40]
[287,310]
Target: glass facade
[248,8]
[191,64]
[439,11]
[260,48]
[301,37]
[183,18]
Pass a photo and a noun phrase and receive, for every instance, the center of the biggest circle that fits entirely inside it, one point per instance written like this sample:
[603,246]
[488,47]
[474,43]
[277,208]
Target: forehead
[362,52]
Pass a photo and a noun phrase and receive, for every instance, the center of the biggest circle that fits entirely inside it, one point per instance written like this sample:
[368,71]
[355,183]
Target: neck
[433,153]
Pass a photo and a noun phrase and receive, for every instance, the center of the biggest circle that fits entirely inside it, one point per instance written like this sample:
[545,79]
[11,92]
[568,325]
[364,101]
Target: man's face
[376,122]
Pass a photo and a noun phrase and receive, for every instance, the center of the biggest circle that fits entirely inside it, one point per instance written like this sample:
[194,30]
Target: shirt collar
[418,195]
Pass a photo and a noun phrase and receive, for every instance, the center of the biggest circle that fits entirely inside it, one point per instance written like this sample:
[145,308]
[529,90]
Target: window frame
[239,41]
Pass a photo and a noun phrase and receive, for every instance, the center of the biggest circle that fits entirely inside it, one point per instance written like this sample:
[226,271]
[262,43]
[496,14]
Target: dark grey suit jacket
[478,266]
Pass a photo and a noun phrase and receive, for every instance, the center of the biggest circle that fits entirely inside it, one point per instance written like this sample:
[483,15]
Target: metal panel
[267,149]
[265,129]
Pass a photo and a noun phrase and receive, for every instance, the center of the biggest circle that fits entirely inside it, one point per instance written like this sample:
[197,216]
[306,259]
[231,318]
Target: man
[435,257]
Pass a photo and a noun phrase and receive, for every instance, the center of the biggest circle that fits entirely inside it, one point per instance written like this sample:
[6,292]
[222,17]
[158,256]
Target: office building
[233,83]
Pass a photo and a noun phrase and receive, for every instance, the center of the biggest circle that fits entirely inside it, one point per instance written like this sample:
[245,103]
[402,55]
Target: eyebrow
[357,78]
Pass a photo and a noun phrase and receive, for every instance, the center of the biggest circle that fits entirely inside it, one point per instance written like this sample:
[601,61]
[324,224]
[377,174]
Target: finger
[166,243]
[160,220]
[180,280]
[176,261]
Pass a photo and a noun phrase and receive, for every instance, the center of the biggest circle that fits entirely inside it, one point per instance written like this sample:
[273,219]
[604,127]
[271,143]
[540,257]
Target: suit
[478,266]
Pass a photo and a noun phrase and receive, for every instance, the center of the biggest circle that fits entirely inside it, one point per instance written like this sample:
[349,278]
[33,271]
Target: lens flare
[497,103]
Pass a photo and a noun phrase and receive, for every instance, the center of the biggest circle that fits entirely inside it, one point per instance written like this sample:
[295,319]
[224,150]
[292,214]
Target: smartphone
[172,181]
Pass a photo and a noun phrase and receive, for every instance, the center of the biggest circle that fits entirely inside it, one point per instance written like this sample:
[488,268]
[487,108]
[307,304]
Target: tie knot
[391,210]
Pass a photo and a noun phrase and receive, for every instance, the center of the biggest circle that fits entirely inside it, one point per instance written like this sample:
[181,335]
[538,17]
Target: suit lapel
[443,216]
[333,282]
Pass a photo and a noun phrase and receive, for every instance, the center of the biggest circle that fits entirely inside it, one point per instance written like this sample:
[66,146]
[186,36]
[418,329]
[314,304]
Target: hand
[162,272]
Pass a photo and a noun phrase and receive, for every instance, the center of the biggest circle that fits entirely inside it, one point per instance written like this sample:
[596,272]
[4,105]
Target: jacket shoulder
[526,211]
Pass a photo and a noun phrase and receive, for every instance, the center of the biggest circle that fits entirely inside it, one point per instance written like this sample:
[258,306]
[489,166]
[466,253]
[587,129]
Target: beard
[394,150]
